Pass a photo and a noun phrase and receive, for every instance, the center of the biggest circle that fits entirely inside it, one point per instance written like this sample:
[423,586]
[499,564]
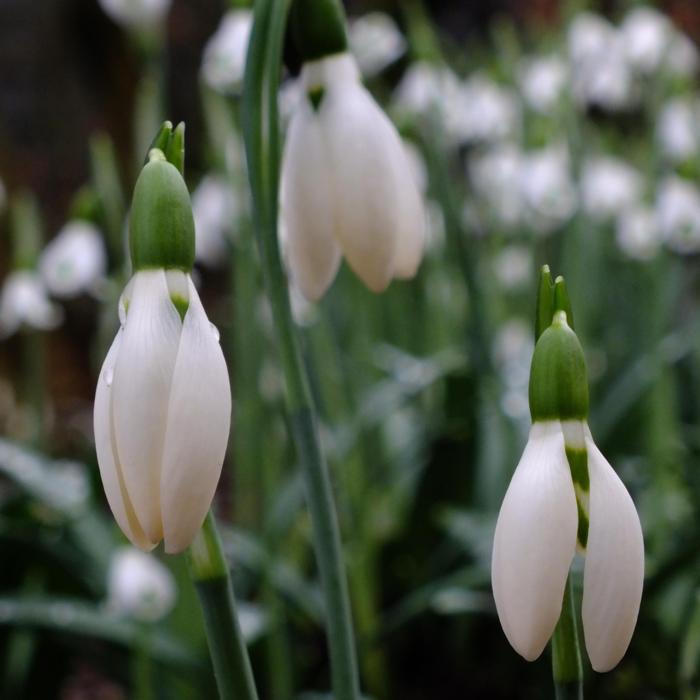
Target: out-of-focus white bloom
[24,302]
[678,129]
[215,210]
[646,36]
[637,233]
[678,214]
[537,534]
[682,59]
[495,178]
[427,86]
[375,41]
[489,112]
[609,186]
[347,187]
[600,73]
[513,267]
[548,191]
[136,13]
[162,412]
[512,351]
[139,586]
[74,261]
[223,62]
[542,82]
[417,164]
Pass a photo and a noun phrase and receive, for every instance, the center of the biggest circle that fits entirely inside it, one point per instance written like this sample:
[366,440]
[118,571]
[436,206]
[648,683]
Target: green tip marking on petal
[316,96]
[578,463]
[181,304]
[583,524]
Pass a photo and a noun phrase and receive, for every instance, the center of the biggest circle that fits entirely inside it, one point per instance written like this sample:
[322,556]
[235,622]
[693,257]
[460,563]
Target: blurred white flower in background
[678,128]
[682,59]
[678,214]
[542,82]
[136,13]
[489,112]
[376,42]
[74,261]
[608,186]
[139,586]
[637,233]
[513,267]
[24,301]
[215,210]
[223,62]
[646,36]
[512,352]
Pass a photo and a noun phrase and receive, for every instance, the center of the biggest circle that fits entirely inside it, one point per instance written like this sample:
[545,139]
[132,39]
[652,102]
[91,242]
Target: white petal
[363,146]
[110,470]
[199,418]
[140,393]
[614,571]
[307,205]
[535,542]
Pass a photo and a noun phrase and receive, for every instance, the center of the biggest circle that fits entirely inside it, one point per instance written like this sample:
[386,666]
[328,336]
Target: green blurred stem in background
[567,668]
[261,128]
[210,574]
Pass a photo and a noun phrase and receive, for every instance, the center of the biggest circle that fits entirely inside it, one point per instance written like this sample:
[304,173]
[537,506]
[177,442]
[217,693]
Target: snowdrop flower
[24,301]
[646,35]
[542,82]
[564,496]
[214,210]
[512,266]
[425,87]
[637,233]
[136,13]
[139,586]
[163,401]
[608,186]
[346,187]
[682,59]
[74,261]
[376,42]
[678,215]
[489,112]
[223,62]
[678,129]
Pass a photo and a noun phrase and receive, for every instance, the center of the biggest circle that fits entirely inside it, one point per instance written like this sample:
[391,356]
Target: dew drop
[215,331]
[109,376]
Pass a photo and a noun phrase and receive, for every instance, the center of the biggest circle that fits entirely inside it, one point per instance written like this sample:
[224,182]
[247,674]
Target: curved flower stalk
[347,188]
[163,401]
[564,497]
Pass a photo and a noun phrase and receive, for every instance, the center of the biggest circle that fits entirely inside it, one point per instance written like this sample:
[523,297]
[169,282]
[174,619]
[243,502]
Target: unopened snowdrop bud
[347,186]
[564,497]
[139,586]
[163,401]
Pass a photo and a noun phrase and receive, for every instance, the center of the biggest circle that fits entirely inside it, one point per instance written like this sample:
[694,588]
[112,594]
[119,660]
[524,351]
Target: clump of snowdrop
[223,62]
[139,586]
[163,401]
[608,186]
[543,81]
[136,14]
[25,303]
[75,260]
[678,214]
[564,497]
[376,42]
[346,187]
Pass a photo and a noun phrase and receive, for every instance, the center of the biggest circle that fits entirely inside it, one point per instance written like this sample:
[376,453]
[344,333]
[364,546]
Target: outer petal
[363,146]
[142,379]
[110,470]
[535,542]
[614,571]
[307,205]
[199,418]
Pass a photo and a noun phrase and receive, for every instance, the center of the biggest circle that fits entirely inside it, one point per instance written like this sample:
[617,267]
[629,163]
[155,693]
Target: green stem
[567,668]
[210,574]
[261,128]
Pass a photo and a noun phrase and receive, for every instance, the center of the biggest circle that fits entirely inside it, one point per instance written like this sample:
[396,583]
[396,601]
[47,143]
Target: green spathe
[161,227]
[318,28]
[558,382]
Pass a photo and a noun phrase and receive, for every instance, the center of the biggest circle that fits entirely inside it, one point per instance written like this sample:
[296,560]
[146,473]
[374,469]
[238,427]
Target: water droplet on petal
[215,331]
[109,376]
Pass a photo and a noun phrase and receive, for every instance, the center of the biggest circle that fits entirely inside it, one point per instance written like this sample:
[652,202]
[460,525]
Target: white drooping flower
[678,214]
[24,301]
[682,59]
[215,210]
[136,13]
[646,37]
[637,233]
[543,81]
[608,186]
[376,42]
[678,129]
[223,62]
[564,496]
[139,586]
[426,86]
[489,112]
[346,187]
[162,412]
[74,261]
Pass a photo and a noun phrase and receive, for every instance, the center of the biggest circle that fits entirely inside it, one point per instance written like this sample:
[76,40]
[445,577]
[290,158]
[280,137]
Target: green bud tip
[317,28]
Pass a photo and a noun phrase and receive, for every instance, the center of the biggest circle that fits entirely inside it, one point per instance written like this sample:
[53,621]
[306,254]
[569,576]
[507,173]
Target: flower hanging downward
[163,401]
[565,496]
